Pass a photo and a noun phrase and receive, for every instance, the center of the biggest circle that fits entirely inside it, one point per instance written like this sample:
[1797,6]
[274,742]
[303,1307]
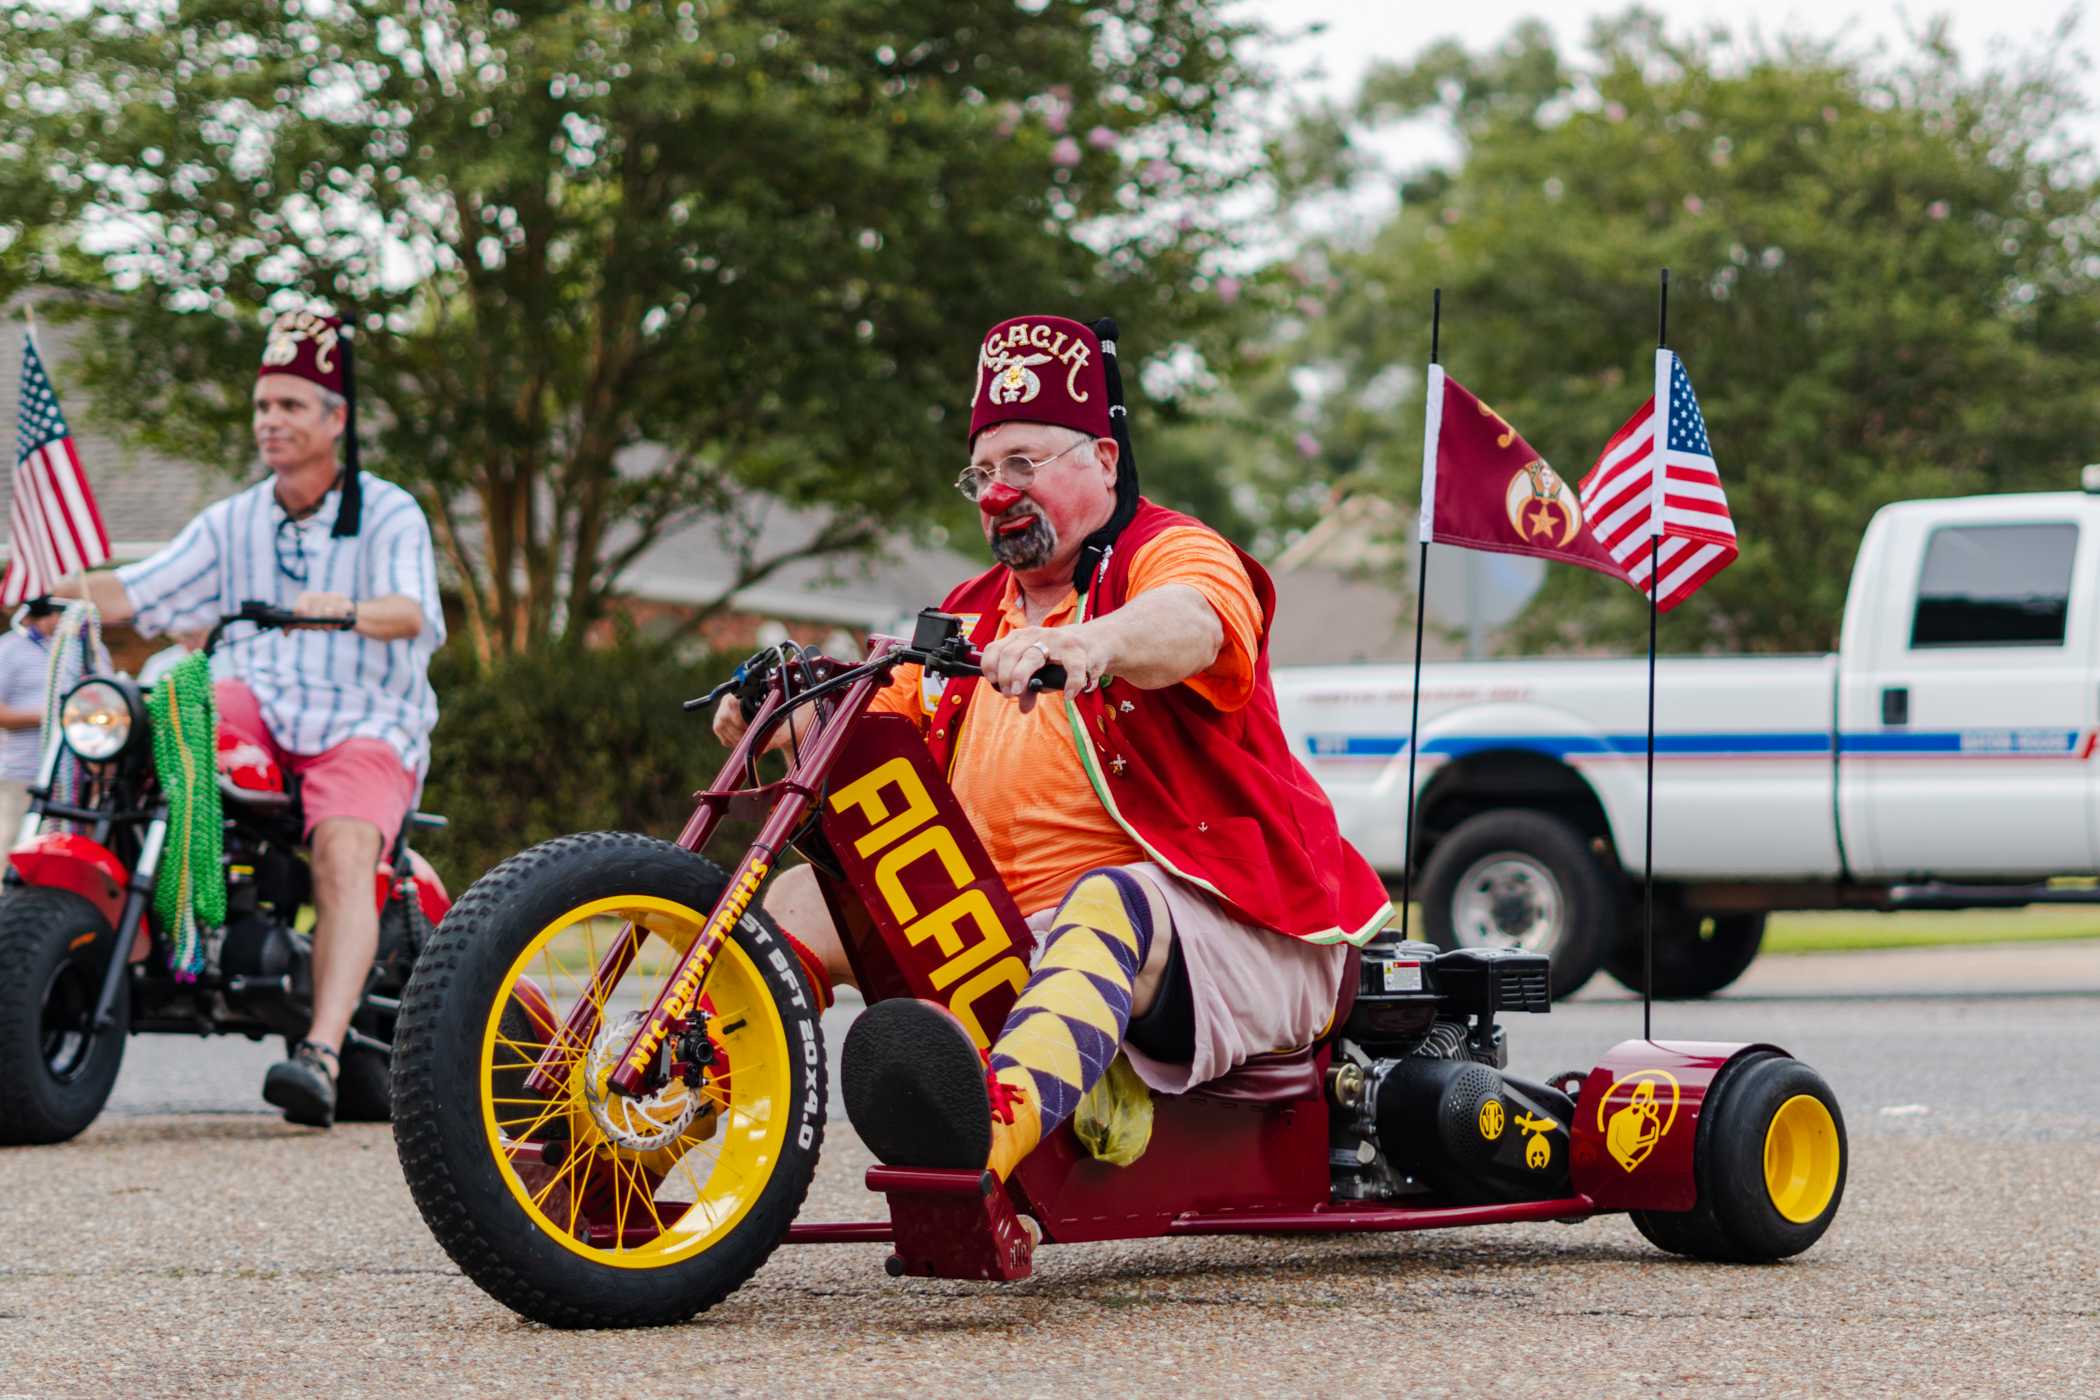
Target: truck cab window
[1995,585]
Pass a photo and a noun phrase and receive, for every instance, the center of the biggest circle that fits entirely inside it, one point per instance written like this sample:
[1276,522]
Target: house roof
[1341,589]
[146,497]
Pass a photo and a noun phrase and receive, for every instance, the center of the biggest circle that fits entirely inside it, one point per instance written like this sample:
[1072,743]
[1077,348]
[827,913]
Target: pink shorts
[360,778]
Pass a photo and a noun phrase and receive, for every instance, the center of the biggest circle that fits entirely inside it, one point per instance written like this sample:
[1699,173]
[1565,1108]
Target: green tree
[1885,283]
[616,265]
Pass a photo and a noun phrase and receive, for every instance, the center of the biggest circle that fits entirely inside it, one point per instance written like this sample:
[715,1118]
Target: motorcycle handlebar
[1049,676]
[268,616]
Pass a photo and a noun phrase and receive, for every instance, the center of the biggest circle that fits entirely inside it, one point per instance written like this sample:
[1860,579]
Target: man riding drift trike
[609,1079]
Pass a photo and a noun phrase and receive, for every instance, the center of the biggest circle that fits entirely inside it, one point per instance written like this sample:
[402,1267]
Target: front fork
[137,895]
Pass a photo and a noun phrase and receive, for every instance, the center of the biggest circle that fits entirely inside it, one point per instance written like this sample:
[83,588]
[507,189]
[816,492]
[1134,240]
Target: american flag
[1627,502]
[56,529]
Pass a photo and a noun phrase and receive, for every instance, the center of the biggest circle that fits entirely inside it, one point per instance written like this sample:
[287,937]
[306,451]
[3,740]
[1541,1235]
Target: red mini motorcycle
[609,1081]
[83,962]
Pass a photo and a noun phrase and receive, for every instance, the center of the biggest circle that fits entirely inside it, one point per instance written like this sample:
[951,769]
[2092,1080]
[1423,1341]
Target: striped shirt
[25,660]
[317,688]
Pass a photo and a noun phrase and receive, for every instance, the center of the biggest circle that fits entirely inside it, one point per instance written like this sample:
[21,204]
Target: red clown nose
[998,498]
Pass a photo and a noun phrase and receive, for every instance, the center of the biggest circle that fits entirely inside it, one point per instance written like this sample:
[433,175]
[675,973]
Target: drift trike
[609,1080]
[83,960]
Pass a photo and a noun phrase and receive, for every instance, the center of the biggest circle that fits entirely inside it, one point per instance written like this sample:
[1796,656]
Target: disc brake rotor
[636,1124]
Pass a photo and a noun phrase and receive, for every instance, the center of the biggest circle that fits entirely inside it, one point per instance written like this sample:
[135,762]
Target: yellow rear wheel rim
[604,1197]
[1802,1158]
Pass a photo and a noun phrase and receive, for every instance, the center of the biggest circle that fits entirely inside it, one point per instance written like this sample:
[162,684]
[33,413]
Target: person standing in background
[25,661]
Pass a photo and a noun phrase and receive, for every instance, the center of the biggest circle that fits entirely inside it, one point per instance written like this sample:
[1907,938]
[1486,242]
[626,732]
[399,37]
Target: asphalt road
[191,1243]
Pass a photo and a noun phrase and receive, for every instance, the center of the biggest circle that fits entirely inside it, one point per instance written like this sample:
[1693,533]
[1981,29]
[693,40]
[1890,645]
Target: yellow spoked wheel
[632,1182]
[1770,1158]
[611,1209]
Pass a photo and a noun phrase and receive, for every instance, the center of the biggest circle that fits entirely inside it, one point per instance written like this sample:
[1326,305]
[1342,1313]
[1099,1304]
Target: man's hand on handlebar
[325,610]
[730,724]
[1013,658]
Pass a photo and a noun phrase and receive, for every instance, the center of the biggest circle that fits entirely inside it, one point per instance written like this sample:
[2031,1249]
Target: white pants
[14,805]
[1253,990]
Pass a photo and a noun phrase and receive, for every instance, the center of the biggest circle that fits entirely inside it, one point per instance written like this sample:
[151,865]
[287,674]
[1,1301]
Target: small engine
[1424,1105]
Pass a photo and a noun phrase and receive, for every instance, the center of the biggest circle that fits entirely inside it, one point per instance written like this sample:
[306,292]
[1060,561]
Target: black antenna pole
[1662,407]
[1414,718]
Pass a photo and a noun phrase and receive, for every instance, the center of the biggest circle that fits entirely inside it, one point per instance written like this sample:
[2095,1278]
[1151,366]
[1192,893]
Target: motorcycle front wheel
[579,1206]
[56,1069]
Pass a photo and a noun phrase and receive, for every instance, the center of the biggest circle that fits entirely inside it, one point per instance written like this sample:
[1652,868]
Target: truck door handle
[1895,704]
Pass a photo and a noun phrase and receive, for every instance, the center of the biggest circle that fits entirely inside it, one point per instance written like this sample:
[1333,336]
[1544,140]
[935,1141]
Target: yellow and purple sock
[1070,1019]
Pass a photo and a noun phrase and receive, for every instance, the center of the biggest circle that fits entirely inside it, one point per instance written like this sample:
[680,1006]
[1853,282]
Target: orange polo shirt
[1018,775]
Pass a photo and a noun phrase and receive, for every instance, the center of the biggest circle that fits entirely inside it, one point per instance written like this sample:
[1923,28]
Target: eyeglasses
[294,564]
[1016,471]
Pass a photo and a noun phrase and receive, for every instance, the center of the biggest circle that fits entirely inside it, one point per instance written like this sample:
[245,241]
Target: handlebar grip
[1048,676]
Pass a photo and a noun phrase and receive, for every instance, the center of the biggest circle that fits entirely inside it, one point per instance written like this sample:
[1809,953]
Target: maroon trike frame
[923,914]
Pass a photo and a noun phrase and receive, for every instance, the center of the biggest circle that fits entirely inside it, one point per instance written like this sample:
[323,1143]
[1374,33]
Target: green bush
[542,745]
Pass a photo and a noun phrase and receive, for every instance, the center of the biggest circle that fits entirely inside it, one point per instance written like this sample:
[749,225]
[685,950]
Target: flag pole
[1414,718]
[1662,342]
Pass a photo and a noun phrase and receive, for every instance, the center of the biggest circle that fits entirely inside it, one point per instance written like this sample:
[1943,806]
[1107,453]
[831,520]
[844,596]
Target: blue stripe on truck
[1965,743]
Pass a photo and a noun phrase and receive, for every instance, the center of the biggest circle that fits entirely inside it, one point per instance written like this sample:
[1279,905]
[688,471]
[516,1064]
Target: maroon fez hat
[1040,369]
[316,347]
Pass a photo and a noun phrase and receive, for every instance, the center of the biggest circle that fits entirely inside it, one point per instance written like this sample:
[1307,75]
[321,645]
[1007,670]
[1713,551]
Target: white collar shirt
[316,688]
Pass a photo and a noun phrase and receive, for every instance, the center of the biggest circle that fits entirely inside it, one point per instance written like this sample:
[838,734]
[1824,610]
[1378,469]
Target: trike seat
[1285,1076]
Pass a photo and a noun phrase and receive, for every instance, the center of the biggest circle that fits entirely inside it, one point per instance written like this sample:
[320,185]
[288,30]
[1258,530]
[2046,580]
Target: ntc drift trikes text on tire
[580,1206]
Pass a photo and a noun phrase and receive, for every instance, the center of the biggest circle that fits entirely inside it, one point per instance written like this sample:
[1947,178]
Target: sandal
[304,1085]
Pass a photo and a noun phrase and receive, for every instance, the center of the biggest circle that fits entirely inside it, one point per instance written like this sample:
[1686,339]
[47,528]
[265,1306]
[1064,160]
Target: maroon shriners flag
[1656,477]
[1484,487]
[56,528]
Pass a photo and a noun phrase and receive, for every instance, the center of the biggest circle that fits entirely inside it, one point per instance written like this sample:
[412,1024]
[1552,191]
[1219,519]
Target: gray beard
[1026,549]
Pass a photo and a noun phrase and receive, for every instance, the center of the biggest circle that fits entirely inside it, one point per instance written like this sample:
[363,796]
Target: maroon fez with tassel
[315,347]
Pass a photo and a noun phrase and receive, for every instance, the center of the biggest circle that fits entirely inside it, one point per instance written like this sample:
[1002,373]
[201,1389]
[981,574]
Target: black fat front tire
[438,1132]
[1737,1220]
[1577,941]
[1696,955]
[55,1075]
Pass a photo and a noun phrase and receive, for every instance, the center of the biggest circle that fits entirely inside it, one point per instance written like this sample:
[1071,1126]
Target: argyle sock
[1070,1019]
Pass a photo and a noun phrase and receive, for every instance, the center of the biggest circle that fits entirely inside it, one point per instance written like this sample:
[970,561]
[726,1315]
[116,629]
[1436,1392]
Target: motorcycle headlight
[96,720]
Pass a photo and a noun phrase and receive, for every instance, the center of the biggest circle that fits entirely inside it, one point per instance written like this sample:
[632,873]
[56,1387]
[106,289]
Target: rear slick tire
[1770,1159]
[522,1195]
[56,1072]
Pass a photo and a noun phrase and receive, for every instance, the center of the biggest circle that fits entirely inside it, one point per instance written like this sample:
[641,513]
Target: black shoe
[304,1085]
[913,1082]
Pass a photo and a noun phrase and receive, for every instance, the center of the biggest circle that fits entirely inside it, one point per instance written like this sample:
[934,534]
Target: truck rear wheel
[1696,954]
[1521,879]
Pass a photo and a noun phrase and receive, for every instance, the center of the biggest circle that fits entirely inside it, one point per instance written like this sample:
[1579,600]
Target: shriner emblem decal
[1543,508]
[1013,379]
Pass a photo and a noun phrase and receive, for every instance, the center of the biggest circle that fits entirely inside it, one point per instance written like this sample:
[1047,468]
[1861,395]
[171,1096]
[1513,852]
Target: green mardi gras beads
[190,893]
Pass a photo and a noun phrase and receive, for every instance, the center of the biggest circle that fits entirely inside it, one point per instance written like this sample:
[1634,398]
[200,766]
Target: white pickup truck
[1943,759]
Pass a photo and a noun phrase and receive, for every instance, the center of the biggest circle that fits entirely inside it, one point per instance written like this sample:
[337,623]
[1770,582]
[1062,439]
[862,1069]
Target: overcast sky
[1360,32]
